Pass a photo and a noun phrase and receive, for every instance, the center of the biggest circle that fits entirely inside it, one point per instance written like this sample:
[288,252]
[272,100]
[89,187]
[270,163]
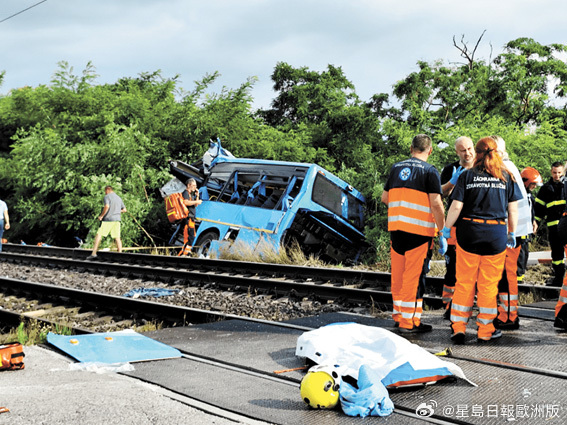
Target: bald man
[464,148]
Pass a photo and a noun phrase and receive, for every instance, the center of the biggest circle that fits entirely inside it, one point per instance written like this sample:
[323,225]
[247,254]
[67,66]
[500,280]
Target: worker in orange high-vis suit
[464,147]
[481,200]
[191,200]
[413,196]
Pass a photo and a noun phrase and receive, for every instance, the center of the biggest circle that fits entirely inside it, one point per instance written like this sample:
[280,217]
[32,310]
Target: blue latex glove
[446,232]
[456,173]
[442,245]
[511,240]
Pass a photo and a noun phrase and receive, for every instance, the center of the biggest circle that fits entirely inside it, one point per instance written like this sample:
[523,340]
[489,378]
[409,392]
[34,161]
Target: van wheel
[203,244]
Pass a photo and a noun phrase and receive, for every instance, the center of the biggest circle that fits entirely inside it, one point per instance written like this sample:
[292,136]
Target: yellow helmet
[320,387]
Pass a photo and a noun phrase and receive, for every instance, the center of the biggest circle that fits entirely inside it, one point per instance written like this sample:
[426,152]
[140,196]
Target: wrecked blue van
[273,203]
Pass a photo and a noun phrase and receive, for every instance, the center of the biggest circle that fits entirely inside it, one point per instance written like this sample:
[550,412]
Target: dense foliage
[61,143]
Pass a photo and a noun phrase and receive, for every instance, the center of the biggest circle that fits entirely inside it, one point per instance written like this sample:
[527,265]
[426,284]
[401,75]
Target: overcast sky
[376,42]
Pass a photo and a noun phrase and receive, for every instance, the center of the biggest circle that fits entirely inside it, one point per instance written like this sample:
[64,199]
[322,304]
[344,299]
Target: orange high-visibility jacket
[409,185]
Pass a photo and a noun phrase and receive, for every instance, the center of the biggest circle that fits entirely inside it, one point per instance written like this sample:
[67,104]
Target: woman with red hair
[484,209]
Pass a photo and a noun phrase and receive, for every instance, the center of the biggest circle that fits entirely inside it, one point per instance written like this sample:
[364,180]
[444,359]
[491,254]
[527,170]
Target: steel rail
[222,280]
[267,269]
[338,276]
[184,315]
[113,303]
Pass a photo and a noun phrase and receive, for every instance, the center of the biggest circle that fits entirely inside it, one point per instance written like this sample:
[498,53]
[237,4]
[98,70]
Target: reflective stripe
[459,319]
[464,309]
[557,262]
[408,304]
[484,321]
[484,310]
[411,205]
[557,202]
[409,210]
[513,308]
[539,201]
[408,315]
[553,223]
[397,307]
[410,220]
[450,289]
[508,297]
[563,299]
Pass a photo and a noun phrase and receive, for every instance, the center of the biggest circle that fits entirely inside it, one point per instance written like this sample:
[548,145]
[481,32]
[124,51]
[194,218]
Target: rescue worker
[191,200]
[413,196]
[464,148]
[508,286]
[560,307]
[549,205]
[532,179]
[481,198]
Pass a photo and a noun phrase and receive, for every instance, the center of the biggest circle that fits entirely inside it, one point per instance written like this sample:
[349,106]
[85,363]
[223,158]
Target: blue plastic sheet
[112,347]
[150,292]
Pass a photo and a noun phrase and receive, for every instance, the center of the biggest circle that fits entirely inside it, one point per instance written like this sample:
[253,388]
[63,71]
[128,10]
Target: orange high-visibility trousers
[407,270]
[562,297]
[508,287]
[476,273]
[188,237]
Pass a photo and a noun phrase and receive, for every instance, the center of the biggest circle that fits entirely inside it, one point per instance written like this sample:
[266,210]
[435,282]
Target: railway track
[146,310]
[128,312]
[327,283]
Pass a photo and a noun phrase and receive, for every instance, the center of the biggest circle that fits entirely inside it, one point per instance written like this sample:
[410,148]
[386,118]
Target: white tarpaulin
[392,359]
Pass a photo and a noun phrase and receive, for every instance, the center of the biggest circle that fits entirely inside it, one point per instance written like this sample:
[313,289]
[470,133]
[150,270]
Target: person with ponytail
[484,211]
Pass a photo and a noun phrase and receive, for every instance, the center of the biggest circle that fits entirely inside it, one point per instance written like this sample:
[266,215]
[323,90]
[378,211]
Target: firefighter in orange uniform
[481,198]
[191,200]
[413,196]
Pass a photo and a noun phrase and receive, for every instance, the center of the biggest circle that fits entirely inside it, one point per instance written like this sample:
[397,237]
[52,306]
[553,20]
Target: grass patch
[265,252]
[32,332]
[154,325]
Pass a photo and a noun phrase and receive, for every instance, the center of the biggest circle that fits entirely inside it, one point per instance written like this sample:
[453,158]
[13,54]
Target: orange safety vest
[409,210]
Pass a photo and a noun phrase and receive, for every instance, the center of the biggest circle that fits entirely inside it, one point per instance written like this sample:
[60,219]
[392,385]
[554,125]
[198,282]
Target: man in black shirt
[549,205]
[464,148]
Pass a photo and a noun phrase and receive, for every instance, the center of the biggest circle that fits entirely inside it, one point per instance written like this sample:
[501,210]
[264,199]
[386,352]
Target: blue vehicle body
[271,203]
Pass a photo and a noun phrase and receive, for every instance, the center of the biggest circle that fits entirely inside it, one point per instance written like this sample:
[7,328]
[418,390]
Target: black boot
[558,274]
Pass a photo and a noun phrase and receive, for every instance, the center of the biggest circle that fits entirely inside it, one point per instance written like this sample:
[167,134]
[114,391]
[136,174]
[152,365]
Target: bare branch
[465,52]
